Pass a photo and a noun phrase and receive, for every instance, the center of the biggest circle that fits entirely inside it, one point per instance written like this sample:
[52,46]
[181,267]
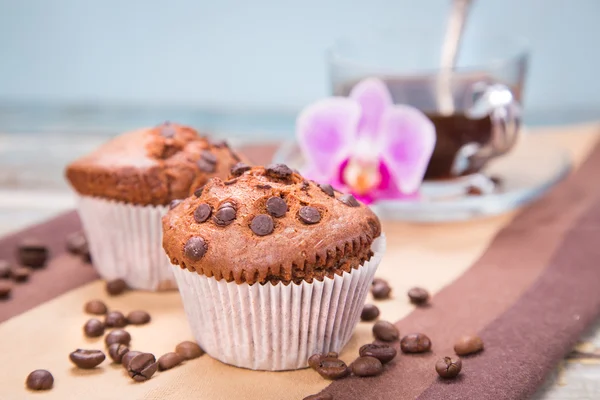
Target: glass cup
[476,107]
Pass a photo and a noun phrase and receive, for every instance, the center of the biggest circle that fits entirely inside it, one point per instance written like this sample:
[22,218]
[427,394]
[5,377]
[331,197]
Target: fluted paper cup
[275,327]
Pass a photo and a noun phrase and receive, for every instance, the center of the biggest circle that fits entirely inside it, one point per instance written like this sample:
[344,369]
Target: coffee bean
[198,192]
[309,215]
[279,171]
[262,225]
[117,351]
[5,289]
[381,290]
[448,368]
[418,296]
[327,189]
[276,206]
[195,248]
[366,366]
[87,359]
[319,396]
[385,331]
[370,312]
[202,213]
[118,336]
[128,356]
[142,367]
[468,345]
[20,274]
[239,168]
[349,200]
[415,343]
[174,203]
[382,352]
[93,328]
[4,269]
[209,157]
[379,280]
[95,307]
[225,215]
[168,361]
[116,287]
[32,253]
[332,368]
[314,360]
[77,243]
[115,319]
[205,166]
[188,350]
[40,379]
[138,317]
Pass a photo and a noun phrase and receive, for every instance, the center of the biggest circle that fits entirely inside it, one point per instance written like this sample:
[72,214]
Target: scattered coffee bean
[385,331]
[280,171]
[468,345]
[379,280]
[142,367]
[32,253]
[349,200]
[314,360]
[87,359]
[168,361]
[239,168]
[309,215]
[138,317]
[366,366]
[40,379]
[262,225]
[370,312]
[327,189]
[4,269]
[118,336]
[202,213]
[225,215]
[95,307]
[418,296]
[20,274]
[116,287]
[117,351]
[115,319]
[382,352]
[381,290]
[319,396]
[276,206]
[174,203]
[195,248]
[77,243]
[415,343]
[93,328]
[128,356]
[198,192]
[5,289]
[448,368]
[332,368]
[188,350]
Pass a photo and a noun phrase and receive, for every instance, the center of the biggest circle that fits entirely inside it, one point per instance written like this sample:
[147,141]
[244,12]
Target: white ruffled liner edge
[275,327]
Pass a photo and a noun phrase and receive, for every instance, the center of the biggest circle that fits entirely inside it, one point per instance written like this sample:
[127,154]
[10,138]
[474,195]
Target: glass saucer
[507,183]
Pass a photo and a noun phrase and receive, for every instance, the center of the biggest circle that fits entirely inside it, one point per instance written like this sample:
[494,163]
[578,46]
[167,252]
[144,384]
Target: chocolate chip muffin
[275,256]
[126,186]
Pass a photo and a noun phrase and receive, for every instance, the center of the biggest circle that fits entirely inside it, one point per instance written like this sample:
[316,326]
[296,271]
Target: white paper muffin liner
[275,327]
[126,242]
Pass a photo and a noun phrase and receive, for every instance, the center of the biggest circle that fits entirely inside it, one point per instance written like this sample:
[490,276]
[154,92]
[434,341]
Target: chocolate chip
[262,225]
[20,274]
[4,269]
[385,331]
[370,312]
[138,317]
[168,361]
[116,287]
[77,243]
[188,350]
[115,319]
[448,368]
[32,253]
[202,213]
[415,343]
[349,200]
[261,186]
[87,359]
[117,351]
[332,368]
[93,328]
[381,290]
[206,166]
[276,206]
[314,360]
[239,168]
[40,379]
[225,215]
[167,130]
[468,345]
[142,367]
[174,203]
[327,189]
[418,296]
[128,356]
[195,248]
[382,352]
[319,396]
[95,307]
[198,192]
[5,289]
[366,366]
[279,171]
[209,157]
[309,215]
[118,336]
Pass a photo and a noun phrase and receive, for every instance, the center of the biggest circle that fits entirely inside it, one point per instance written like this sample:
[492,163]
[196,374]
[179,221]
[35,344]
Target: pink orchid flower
[366,145]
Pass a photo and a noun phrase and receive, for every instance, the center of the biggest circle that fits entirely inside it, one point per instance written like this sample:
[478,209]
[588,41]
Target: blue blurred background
[250,66]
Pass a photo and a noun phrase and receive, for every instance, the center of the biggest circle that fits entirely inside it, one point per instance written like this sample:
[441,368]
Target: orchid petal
[407,139]
[374,98]
[325,131]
